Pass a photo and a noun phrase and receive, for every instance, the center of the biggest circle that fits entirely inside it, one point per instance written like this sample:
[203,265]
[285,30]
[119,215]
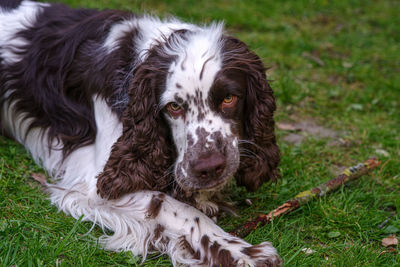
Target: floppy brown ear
[258,122]
[142,156]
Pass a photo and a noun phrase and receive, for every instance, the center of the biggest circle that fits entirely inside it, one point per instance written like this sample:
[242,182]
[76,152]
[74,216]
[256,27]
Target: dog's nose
[210,166]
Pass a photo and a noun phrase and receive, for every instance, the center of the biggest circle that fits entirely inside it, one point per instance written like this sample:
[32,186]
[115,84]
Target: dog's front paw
[208,208]
[204,204]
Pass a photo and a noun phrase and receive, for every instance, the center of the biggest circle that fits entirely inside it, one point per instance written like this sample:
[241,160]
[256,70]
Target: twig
[349,174]
[313,58]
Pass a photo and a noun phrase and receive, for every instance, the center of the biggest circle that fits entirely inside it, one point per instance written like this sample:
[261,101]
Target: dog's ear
[258,123]
[142,156]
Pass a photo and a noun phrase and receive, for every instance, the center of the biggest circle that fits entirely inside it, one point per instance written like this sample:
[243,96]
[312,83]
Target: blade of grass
[65,240]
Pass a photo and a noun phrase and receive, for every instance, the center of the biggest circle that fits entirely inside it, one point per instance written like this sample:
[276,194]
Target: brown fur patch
[251,251]
[225,259]
[258,122]
[184,244]
[155,206]
[205,241]
[232,241]
[142,156]
[158,231]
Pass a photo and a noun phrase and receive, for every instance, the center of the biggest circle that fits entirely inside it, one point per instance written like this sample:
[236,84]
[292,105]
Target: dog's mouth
[192,183]
[211,186]
[207,186]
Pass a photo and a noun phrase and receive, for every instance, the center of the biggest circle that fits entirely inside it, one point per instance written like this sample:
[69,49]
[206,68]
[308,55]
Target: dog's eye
[228,99]
[174,109]
[229,102]
[174,106]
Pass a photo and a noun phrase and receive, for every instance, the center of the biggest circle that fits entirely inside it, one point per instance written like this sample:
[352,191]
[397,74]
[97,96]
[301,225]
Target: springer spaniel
[141,122]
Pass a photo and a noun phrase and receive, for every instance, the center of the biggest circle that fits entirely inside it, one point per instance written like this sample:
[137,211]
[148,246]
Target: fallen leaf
[347,65]
[382,152]
[248,202]
[308,251]
[40,178]
[390,241]
[287,126]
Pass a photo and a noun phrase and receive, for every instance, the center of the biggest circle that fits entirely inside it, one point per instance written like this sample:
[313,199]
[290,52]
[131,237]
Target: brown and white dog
[141,122]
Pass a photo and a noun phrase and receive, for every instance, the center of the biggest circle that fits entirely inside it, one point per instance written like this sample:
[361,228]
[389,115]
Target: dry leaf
[307,251]
[40,178]
[248,202]
[390,241]
[287,126]
[382,152]
[347,65]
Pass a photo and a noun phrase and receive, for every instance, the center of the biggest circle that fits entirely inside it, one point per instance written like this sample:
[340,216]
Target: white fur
[74,191]
[117,32]
[12,22]
[85,162]
[200,52]
[75,194]
[152,30]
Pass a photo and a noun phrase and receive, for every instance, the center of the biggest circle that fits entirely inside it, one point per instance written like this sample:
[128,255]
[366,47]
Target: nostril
[210,166]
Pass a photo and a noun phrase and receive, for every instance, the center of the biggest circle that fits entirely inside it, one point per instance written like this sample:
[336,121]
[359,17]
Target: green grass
[355,93]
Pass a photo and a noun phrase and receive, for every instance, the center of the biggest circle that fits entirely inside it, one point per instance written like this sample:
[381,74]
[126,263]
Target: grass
[354,92]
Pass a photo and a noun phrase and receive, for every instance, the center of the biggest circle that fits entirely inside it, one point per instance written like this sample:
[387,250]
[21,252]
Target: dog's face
[203,105]
[200,102]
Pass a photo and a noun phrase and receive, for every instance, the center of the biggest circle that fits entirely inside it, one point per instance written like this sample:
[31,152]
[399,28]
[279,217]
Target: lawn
[335,70]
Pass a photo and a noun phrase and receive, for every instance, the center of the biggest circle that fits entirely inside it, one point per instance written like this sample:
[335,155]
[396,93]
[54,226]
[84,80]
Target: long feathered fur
[89,94]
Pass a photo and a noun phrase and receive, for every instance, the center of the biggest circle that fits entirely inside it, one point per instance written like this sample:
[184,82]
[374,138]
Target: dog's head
[201,112]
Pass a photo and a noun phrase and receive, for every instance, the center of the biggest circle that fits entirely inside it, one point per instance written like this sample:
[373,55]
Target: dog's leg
[148,220]
[196,240]
[143,221]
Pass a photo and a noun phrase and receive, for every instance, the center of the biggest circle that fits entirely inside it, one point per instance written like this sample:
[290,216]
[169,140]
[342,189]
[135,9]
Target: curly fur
[143,155]
[258,128]
[89,94]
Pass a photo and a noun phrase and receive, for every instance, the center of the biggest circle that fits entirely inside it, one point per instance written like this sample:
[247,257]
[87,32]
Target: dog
[141,123]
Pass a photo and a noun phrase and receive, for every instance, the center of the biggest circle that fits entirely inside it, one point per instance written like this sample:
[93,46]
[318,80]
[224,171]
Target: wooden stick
[348,174]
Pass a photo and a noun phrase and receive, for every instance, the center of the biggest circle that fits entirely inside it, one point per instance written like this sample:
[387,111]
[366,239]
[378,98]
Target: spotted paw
[208,208]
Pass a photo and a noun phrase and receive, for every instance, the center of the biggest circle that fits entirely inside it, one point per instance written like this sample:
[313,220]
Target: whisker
[250,152]
[242,141]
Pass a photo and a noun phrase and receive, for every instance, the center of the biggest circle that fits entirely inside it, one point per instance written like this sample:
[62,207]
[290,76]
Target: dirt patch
[294,138]
[301,129]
